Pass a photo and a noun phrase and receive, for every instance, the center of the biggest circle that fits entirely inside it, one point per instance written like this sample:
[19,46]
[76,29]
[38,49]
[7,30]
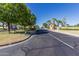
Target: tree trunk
[54,24]
[14,31]
[54,27]
[3,25]
[8,27]
[58,24]
[24,29]
[30,27]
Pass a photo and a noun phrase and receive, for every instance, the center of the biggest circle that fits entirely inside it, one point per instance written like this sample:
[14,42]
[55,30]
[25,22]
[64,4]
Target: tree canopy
[16,13]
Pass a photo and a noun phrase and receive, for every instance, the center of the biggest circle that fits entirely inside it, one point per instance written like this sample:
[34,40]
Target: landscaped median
[7,39]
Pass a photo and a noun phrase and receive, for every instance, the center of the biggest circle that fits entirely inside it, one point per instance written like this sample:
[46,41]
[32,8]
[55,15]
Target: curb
[16,42]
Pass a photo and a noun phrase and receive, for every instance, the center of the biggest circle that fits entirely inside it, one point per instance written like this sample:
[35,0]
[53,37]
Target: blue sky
[46,11]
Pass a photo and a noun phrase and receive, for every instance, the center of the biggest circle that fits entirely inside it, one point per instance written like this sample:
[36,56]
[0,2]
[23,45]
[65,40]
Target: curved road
[44,44]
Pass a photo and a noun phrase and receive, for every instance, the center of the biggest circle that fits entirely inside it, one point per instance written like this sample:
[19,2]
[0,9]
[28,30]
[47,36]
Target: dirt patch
[6,38]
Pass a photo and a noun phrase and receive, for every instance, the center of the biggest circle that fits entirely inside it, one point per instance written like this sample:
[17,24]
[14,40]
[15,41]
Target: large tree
[8,13]
[32,21]
[17,13]
[55,22]
[26,17]
[23,15]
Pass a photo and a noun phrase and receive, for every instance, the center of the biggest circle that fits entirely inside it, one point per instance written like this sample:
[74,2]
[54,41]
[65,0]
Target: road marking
[61,41]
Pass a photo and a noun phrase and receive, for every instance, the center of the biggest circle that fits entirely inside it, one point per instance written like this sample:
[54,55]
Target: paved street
[44,44]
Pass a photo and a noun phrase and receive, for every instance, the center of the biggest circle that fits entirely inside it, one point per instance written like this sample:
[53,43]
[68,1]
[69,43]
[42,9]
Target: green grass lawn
[69,28]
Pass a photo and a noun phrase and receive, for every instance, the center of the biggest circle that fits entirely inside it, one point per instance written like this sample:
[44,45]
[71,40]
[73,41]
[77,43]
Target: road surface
[44,44]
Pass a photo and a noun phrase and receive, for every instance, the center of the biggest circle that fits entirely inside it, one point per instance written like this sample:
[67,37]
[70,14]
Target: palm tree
[55,21]
[49,22]
[63,21]
[59,22]
[45,25]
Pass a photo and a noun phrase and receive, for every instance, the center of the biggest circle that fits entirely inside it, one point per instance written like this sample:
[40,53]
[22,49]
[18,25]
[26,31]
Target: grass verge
[6,38]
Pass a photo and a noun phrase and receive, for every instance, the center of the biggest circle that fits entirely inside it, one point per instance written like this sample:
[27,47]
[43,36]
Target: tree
[17,13]
[37,27]
[1,15]
[26,18]
[8,14]
[77,25]
[68,25]
[23,15]
[32,21]
[55,22]
[45,25]
[49,22]
[59,22]
[63,22]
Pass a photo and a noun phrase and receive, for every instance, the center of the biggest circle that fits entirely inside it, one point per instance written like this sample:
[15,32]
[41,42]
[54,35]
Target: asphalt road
[44,44]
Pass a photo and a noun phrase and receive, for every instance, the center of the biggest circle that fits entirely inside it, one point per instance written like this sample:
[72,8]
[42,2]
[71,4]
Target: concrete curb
[16,42]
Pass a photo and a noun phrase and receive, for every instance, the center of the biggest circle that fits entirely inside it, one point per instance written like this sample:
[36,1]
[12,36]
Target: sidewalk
[65,32]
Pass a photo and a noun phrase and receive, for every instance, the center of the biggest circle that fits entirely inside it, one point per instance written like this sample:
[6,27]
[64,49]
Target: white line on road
[61,41]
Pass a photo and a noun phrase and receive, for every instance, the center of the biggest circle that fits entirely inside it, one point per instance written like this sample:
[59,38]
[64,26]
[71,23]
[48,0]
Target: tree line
[55,22]
[18,14]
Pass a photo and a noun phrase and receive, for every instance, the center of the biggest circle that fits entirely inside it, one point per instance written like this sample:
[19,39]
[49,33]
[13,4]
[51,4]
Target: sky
[47,11]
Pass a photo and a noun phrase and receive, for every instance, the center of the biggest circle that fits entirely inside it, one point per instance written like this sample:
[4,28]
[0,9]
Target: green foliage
[63,22]
[45,25]
[48,22]
[32,20]
[16,13]
[55,22]
[69,28]
[77,25]
[37,27]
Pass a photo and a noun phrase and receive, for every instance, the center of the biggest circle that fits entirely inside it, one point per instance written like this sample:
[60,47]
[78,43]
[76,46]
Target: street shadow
[39,32]
[22,32]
